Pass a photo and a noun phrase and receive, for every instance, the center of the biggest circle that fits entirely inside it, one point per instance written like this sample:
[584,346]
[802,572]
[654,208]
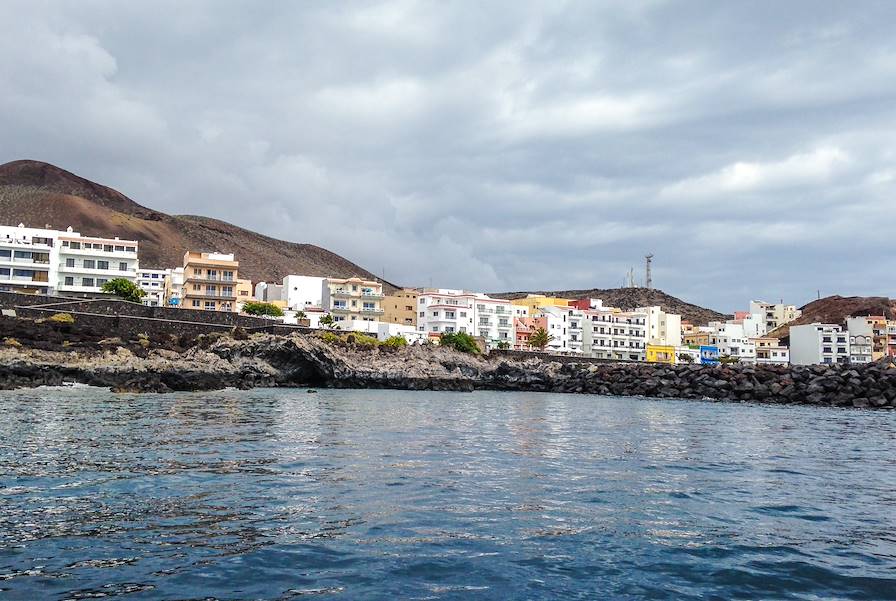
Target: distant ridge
[835,309]
[630,298]
[37,193]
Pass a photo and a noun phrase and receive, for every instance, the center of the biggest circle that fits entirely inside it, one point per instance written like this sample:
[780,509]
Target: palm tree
[540,339]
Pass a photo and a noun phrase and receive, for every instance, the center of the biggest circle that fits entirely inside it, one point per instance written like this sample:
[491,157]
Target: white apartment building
[774,314]
[732,341]
[443,310]
[152,282]
[302,291]
[352,299]
[86,263]
[174,287]
[617,335]
[861,339]
[29,259]
[818,343]
[662,328]
[53,261]
[565,326]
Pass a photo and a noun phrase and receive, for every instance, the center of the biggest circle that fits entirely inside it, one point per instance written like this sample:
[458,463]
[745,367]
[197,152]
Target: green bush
[66,318]
[125,289]
[460,341]
[330,337]
[362,340]
[263,309]
[394,342]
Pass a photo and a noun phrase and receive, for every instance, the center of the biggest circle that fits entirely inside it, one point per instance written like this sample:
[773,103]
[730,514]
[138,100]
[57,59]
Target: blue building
[709,355]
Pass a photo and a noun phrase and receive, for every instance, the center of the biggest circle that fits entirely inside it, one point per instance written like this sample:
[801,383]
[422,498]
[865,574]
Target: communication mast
[649,281]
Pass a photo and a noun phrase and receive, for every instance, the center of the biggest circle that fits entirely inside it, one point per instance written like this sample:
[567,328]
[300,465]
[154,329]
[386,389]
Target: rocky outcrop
[304,360]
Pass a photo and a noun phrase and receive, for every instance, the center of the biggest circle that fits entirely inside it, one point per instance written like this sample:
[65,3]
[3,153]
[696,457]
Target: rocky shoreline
[307,360]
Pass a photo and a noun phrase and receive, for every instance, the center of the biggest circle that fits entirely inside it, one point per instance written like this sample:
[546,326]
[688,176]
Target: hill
[630,298]
[835,309]
[39,194]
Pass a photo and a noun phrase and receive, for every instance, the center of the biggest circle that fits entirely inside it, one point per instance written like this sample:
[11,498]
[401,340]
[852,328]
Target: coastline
[306,360]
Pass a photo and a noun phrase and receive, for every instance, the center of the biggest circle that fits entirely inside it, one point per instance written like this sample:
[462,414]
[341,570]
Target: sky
[492,146]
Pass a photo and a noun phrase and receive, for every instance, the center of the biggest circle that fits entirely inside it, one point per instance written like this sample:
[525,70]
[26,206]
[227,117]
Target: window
[89,264]
[131,249]
[119,248]
[108,248]
[101,281]
[196,303]
[122,266]
[69,281]
[226,290]
[102,264]
[87,282]
[76,245]
[463,313]
[69,262]
[22,254]
[422,314]
[435,313]
[210,305]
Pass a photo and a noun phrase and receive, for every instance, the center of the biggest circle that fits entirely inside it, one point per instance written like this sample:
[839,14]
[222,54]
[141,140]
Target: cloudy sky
[490,145]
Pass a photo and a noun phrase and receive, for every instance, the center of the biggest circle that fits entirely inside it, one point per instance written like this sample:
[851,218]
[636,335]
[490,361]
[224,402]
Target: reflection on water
[277,494]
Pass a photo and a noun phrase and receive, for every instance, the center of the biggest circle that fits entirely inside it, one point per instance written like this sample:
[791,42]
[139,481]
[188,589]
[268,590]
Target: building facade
[29,259]
[353,299]
[818,343]
[302,292]
[86,263]
[774,314]
[441,310]
[401,307]
[210,281]
[152,283]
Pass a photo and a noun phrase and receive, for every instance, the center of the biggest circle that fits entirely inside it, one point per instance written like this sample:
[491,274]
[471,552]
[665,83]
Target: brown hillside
[835,309]
[630,298]
[38,194]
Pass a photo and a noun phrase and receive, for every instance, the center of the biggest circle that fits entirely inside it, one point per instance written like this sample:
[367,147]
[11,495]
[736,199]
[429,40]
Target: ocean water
[357,494]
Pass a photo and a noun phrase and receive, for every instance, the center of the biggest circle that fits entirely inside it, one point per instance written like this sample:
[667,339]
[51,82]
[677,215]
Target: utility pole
[649,283]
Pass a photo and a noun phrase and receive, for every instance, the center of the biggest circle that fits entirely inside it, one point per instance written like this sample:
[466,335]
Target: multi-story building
[174,287]
[818,343]
[303,292]
[244,293]
[86,263]
[861,339]
[565,325]
[874,326]
[770,350]
[353,299]
[523,328]
[617,335]
[401,307]
[891,338]
[152,282]
[441,310]
[775,314]
[29,259]
[210,281]
[732,341]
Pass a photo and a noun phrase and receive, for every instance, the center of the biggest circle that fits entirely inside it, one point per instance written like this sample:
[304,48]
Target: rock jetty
[307,360]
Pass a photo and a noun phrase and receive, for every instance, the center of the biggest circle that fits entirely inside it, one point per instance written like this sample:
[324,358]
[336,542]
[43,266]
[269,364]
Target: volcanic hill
[39,194]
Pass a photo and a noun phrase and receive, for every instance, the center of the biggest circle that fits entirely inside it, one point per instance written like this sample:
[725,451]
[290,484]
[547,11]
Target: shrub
[394,342]
[238,333]
[65,318]
[460,341]
[363,340]
[503,345]
[11,342]
[125,289]
[540,339]
[330,337]
[327,322]
[685,358]
[262,309]
[143,340]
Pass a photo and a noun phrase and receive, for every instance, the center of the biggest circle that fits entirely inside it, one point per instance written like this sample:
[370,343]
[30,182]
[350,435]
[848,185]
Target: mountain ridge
[39,194]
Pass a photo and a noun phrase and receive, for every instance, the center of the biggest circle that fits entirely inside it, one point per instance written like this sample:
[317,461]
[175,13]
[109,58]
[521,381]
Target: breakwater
[307,360]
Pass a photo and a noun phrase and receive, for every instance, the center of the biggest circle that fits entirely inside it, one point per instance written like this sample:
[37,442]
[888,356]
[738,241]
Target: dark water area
[358,494]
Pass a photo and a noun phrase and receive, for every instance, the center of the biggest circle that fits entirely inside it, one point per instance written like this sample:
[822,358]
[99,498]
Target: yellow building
[534,301]
[660,353]
[353,299]
[401,307]
[210,281]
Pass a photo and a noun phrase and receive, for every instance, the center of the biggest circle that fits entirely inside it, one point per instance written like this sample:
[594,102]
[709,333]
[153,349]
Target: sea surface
[359,494]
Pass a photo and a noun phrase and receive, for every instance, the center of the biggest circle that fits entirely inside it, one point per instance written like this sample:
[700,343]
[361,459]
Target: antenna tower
[649,281]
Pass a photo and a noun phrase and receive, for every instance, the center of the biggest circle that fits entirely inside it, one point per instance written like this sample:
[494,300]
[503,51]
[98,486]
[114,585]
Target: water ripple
[278,495]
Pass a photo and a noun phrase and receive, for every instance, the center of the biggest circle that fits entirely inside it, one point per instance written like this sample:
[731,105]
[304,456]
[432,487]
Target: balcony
[372,311]
[505,326]
[203,279]
[211,295]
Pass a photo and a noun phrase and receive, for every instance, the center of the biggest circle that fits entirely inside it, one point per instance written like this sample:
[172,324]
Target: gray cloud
[504,146]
